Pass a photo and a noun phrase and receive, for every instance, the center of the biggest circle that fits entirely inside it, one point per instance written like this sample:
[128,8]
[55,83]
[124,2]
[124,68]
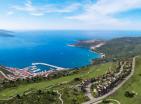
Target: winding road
[60,97]
[94,100]
[114,100]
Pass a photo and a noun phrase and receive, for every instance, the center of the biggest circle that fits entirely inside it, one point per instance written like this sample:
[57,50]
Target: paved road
[88,93]
[98,100]
[60,97]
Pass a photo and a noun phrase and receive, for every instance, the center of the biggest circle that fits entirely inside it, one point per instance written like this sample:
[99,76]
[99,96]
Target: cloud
[105,7]
[10,13]
[103,13]
[31,9]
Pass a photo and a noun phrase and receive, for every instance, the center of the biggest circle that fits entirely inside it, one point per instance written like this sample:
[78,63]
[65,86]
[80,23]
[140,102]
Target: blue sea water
[51,47]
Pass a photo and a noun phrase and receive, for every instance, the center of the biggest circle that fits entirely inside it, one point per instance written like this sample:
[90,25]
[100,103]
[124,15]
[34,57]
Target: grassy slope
[35,98]
[134,84]
[92,71]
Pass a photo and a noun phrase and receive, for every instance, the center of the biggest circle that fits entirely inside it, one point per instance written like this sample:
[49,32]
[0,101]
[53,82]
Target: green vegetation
[37,97]
[70,94]
[121,47]
[130,92]
[73,96]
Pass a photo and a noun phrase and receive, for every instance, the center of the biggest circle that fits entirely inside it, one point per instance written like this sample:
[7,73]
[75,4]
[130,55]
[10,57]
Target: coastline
[25,72]
[92,48]
[97,46]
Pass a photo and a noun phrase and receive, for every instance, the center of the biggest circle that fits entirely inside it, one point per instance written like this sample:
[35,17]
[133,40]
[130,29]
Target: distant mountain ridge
[6,33]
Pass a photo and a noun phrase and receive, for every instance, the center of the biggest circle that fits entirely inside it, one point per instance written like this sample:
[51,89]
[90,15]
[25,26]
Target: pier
[52,66]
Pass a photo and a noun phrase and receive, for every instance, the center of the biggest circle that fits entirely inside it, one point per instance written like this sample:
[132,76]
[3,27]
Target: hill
[121,47]
[114,48]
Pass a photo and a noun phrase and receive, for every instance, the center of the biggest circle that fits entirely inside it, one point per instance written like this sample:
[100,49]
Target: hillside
[115,48]
[43,90]
[132,86]
[121,47]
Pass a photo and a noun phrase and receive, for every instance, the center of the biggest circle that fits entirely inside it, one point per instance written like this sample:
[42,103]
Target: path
[88,92]
[60,97]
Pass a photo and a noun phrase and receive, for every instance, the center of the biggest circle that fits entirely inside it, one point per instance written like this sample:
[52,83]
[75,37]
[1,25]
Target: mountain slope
[120,47]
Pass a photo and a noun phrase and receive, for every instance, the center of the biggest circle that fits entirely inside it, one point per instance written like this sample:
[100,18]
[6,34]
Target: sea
[52,47]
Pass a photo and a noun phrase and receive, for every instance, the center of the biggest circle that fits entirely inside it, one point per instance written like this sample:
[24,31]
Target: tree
[77,79]
[106,101]
[129,94]
[18,96]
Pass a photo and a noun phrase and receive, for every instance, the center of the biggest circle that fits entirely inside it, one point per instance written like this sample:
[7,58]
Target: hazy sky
[70,14]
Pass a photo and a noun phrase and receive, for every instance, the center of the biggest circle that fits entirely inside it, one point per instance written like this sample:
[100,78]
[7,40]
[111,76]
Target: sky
[70,14]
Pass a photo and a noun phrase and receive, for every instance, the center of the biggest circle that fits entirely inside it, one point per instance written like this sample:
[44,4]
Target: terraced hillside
[130,92]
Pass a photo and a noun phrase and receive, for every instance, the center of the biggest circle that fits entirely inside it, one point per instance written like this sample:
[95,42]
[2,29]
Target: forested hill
[120,47]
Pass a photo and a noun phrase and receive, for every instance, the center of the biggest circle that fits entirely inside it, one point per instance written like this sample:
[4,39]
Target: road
[5,75]
[94,100]
[60,97]
[89,94]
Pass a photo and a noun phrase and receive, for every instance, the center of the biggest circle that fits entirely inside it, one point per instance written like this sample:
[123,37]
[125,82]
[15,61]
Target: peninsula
[93,44]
